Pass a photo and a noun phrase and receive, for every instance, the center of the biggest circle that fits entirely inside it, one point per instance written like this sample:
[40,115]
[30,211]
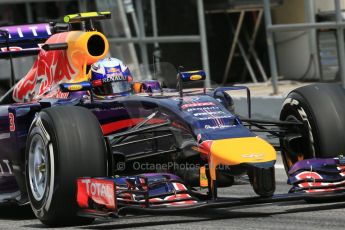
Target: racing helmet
[110,77]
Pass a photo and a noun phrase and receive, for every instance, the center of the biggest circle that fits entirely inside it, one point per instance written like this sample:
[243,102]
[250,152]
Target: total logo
[98,189]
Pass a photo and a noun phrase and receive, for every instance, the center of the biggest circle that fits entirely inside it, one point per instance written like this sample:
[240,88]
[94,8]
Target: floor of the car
[12,197]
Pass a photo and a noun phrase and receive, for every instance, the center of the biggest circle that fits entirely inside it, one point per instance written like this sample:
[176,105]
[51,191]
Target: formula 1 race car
[58,141]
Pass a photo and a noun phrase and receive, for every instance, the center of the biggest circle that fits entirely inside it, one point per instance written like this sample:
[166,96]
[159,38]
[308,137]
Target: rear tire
[64,143]
[321,108]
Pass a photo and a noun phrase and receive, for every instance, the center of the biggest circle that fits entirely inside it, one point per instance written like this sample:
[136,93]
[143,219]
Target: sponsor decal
[50,68]
[57,94]
[202,108]
[11,48]
[195,77]
[75,87]
[220,126]
[207,113]
[214,117]
[62,95]
[28,31]
[186,99]
[304,116]
[113,70]
[197,104]
[114,77]
[11,122]
[257,156]
[101,191]
[179,187]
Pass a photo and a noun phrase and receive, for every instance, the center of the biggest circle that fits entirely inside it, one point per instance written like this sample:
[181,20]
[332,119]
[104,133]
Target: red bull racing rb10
[81,139]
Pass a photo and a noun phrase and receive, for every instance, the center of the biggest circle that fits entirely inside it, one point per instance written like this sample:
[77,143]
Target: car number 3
[11,121]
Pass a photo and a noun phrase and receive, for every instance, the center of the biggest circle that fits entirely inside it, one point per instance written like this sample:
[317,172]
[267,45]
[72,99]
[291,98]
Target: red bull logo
[50,68]
[114,70]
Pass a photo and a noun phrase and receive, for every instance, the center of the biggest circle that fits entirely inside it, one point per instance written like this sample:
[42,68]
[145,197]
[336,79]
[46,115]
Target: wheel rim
[300,156]
[38,167]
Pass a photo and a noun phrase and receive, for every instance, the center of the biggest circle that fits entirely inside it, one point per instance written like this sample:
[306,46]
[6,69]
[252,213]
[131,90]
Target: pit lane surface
[295,215]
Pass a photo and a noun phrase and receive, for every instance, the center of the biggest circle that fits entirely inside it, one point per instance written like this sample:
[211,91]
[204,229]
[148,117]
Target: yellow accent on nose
[235,151]
[203,177]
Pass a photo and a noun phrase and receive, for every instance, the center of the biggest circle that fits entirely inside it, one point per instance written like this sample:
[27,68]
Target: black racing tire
[64,143]
[321,108]
[263,181]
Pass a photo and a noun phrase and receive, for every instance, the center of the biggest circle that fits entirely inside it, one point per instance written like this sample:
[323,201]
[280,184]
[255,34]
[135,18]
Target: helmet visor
[114,87]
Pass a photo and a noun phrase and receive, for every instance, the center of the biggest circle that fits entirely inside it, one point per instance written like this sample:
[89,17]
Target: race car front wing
[163,193]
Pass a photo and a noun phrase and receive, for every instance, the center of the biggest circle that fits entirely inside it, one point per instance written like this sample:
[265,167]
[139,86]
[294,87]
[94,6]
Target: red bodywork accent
[204,148]
[97,83]
[309,175]
[50,68]
[11,121]
[317,186]
[118,125]
[100,191]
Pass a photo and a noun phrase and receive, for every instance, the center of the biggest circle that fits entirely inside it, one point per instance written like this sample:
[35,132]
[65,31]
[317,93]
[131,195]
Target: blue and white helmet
[109,76]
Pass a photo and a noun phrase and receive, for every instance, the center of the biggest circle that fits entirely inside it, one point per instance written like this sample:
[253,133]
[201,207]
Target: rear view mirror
[189,76]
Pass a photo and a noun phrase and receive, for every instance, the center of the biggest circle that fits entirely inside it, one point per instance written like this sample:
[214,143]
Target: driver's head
[110,77]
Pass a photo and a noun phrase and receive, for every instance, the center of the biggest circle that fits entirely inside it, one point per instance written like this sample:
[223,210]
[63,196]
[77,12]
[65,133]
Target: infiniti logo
[253,155]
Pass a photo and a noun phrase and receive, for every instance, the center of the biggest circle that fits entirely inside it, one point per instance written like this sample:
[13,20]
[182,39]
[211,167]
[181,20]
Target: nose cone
[235,151]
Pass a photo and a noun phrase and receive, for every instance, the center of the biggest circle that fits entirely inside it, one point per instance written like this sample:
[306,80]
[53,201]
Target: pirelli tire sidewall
[76,148]
[43,126]
[321,107]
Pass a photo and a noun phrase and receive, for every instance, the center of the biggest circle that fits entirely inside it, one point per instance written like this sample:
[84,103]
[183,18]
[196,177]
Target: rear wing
[23,40]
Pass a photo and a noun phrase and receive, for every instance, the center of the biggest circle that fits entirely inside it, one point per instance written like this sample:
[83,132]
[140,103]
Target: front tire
[64,143]
[262,180]
[321,108]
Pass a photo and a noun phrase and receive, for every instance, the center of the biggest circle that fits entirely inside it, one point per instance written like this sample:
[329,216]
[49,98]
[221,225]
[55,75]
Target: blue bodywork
[202,117]
[23,39]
